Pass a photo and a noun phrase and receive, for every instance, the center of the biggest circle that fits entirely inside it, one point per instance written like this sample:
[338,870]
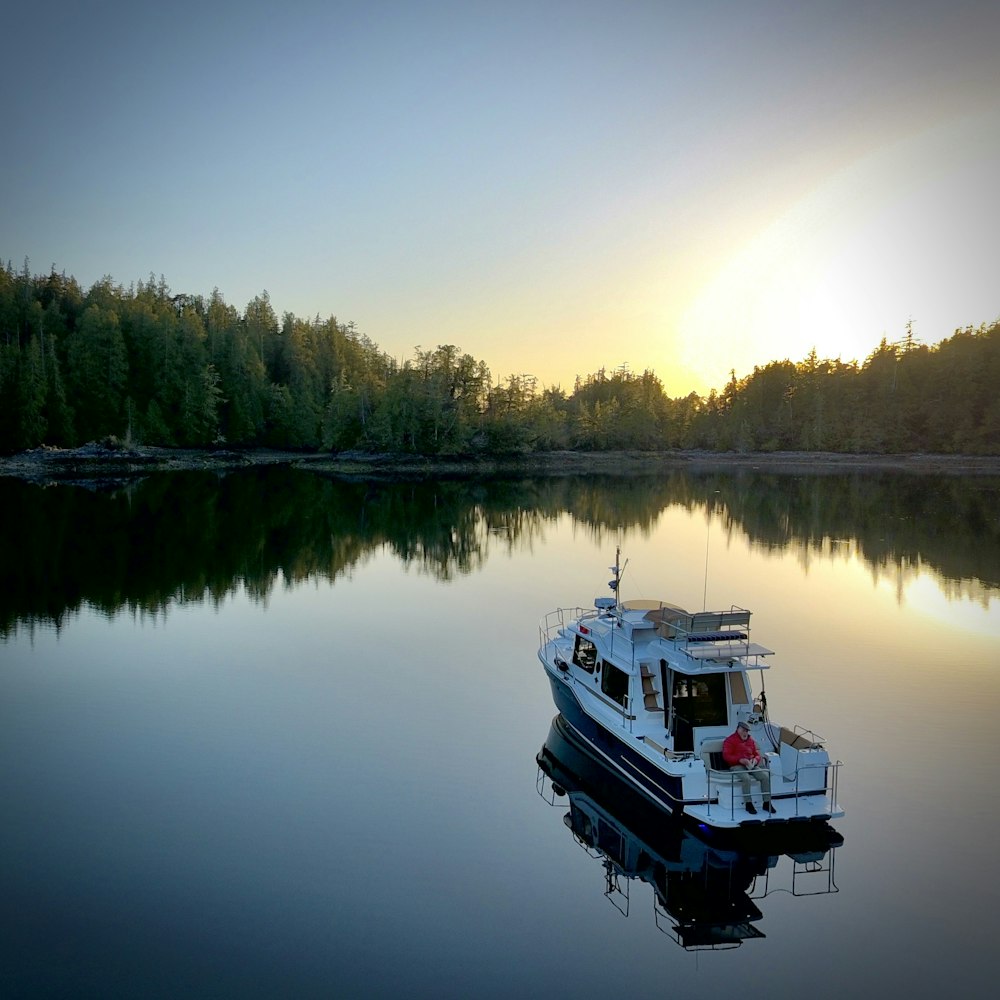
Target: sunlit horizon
[554,189]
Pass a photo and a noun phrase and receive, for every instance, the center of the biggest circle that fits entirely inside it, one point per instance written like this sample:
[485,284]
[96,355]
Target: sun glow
[866,252]
[973,610]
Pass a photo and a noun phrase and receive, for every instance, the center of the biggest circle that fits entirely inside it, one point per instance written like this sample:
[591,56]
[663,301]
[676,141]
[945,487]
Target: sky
[552,187]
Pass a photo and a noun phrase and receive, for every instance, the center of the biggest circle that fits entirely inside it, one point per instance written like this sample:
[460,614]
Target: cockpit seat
[718,770]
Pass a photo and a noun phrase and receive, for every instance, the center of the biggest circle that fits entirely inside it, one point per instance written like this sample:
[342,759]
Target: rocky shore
[99,462]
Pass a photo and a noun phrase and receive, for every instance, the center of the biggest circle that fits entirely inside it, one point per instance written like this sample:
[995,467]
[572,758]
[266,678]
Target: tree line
[140,364]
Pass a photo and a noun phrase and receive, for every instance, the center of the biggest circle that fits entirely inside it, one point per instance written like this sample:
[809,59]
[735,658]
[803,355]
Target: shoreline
[94,462]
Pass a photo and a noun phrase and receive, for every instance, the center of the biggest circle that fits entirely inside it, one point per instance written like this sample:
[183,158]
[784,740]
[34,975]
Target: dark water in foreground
[272,735]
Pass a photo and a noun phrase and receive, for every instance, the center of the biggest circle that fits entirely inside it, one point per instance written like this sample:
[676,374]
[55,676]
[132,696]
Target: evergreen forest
[142,365]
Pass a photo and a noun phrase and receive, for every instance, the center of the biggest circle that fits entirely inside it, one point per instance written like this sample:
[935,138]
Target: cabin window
[585,654]
[701,701]
[614,683]
[738,689]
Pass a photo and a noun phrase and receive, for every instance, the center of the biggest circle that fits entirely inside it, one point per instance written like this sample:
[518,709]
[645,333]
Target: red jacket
[734,749]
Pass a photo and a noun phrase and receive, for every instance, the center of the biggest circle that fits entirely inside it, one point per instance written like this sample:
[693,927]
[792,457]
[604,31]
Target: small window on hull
[614,683]
[585,654]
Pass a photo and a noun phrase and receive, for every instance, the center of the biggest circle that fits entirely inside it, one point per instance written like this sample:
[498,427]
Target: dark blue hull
[663,789]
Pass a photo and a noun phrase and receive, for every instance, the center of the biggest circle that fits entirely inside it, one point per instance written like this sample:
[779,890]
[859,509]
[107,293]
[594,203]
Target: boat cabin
[665,669]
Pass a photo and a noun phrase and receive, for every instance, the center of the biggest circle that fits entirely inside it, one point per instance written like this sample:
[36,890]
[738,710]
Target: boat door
[695,700]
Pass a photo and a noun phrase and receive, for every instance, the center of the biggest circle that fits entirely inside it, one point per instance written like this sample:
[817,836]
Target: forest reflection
[182,537]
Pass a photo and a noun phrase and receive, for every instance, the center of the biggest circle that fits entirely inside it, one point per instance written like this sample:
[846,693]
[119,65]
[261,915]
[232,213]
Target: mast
[617,569]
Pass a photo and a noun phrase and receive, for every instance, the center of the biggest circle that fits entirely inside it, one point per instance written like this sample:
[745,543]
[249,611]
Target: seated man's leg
[763,776]
[744,775]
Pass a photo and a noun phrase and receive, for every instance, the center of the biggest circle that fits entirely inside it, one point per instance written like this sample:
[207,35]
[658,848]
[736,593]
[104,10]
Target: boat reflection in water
[706,891]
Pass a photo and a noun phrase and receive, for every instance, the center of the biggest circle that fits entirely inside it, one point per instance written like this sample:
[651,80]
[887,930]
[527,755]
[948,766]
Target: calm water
[271,735]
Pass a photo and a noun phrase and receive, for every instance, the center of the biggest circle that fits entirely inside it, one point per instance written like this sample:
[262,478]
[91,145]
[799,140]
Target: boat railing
[555,621]
[808,876]
[801,737]
[808,782]
[708,626]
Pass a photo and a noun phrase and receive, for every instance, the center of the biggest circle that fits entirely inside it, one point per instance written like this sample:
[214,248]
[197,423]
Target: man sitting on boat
[740,752]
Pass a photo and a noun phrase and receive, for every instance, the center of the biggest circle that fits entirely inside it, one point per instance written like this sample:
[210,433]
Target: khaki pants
[760,774]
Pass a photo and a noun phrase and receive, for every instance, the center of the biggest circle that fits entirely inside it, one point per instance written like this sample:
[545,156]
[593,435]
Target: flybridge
[706,635]
[703,626]
[695,643]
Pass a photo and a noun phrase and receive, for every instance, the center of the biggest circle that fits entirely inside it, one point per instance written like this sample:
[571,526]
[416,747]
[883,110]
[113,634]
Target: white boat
[655,690]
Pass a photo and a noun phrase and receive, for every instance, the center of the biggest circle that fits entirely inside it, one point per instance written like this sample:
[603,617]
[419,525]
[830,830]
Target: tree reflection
[181,537]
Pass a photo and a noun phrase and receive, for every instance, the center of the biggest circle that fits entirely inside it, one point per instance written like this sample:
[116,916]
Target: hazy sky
[551,186]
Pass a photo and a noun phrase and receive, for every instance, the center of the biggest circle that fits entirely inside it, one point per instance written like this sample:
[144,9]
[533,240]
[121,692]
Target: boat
[655,690]
[705,897]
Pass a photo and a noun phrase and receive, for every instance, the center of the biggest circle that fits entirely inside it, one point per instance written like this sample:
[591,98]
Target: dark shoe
[769,808]
[751,808]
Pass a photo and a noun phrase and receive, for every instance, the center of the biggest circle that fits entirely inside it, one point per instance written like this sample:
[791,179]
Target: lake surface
[267,734]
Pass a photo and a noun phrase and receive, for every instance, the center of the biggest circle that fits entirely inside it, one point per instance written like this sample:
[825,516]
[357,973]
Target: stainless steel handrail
[829,789]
